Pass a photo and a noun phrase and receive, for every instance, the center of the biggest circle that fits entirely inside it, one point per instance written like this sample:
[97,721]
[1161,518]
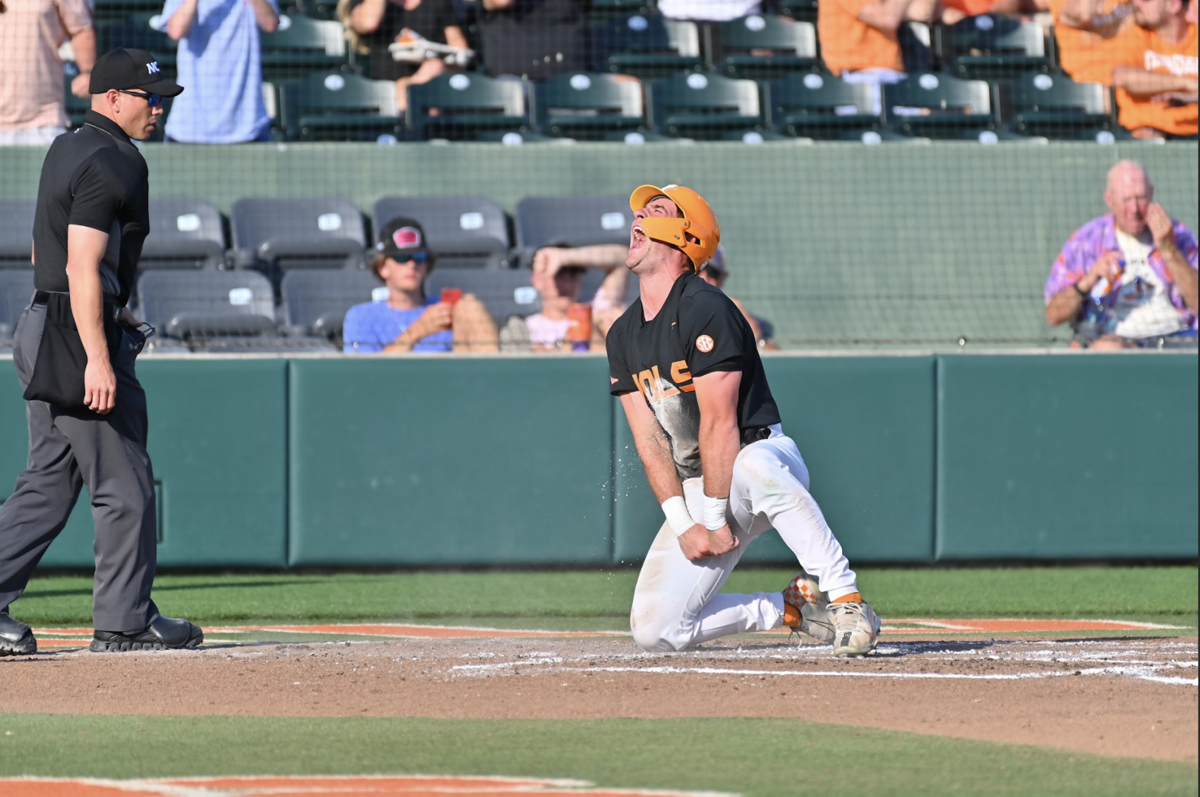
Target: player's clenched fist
[701,543]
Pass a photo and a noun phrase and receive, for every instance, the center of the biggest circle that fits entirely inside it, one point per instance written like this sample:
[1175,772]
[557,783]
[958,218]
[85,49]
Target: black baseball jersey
[697,332]
[94,177]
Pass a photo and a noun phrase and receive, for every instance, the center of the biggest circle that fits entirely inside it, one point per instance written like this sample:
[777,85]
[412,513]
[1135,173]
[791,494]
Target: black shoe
[16,638]
[161,634]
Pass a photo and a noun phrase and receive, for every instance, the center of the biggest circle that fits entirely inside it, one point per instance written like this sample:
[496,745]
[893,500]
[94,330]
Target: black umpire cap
[130,69]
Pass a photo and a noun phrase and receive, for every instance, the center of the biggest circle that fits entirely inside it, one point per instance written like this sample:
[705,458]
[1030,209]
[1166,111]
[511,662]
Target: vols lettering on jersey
[698,331]
[655,388]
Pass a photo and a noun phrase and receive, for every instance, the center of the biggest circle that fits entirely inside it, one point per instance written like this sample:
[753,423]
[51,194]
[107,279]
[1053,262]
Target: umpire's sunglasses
[151,99]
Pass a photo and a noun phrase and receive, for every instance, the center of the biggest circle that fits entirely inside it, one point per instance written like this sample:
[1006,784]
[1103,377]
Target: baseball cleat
[806,610]
[163,633]
[16,638]
[856,628]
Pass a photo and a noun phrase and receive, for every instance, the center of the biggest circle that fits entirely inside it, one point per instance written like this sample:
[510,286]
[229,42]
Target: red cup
[579,330]
[451,296]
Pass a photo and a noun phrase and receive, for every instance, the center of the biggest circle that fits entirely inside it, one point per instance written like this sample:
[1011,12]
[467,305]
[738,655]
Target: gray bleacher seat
[463,232]
[315,302]
[297,233]
[16,232]
[505,292]
[16,288]
[184,233]
[570,221]
[197,305]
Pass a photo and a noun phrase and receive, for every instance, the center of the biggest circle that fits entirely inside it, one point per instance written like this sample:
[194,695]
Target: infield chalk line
[1142,673]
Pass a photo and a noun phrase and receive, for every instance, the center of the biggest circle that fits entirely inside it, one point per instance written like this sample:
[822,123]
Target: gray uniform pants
[66,451]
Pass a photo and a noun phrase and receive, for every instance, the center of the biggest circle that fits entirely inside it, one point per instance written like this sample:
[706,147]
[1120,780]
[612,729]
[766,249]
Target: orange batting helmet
[697,233]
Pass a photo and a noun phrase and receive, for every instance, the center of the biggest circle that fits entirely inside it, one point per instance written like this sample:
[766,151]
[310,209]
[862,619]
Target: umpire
[74,351]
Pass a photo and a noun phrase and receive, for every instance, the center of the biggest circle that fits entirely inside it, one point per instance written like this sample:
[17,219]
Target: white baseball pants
[675,603]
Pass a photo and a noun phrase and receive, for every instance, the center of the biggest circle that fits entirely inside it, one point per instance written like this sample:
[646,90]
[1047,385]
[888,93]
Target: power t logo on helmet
[696,234]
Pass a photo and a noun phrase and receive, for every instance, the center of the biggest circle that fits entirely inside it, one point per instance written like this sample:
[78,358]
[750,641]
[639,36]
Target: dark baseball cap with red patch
[130,69]
[401,238]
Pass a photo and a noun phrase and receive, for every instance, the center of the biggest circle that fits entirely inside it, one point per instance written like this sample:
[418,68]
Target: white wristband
[678,517]
[714,512]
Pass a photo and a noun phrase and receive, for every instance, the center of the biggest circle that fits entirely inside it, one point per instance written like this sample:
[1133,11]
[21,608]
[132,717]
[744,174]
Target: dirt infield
[1123,696]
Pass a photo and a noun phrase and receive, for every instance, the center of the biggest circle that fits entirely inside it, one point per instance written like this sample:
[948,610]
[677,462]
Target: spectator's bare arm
[885,15]
[1064,305]
[83,43]
[455,37]
[496,5]
[1164,239]
[367,16]
[182,20]
[265,15]
[1140,81]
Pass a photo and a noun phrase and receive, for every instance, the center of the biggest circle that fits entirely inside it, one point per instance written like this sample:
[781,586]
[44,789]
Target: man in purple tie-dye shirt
[1128,277]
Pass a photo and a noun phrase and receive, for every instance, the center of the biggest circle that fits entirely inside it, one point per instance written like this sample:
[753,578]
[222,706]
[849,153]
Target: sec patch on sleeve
[704,343]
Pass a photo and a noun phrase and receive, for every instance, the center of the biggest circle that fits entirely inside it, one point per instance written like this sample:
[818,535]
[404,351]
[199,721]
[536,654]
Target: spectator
[859,38]
[955,11]
[220,62]
[1086,31]
[558,277]
[1127,276]
[407,320]
[534,39]
[375,24]
[1156,72]
[715,272]
[709,10]
[32,112]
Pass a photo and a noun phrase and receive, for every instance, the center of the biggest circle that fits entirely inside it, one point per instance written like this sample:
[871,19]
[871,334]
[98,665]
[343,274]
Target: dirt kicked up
[1065,685]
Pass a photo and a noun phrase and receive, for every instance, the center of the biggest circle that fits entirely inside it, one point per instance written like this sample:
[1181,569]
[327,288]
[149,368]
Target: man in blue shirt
[407,320]
[220,61]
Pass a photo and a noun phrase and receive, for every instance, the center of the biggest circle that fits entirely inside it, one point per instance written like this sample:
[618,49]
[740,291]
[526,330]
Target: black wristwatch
[1079,290]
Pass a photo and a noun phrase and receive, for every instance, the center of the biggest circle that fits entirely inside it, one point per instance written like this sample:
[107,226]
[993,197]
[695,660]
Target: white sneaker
[856,628]
[807,609]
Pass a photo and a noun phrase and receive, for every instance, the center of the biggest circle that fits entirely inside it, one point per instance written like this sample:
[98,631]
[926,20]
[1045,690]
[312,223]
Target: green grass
[600,599]
[755,757]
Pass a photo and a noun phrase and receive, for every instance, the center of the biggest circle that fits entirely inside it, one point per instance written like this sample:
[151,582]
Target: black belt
[753,434]
[110,306]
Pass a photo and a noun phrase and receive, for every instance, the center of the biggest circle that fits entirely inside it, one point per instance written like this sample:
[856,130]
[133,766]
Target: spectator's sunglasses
[420,258]
[151,99]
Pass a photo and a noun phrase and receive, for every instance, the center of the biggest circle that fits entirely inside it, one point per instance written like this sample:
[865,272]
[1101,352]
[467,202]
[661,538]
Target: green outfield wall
[834,243]
[445,461]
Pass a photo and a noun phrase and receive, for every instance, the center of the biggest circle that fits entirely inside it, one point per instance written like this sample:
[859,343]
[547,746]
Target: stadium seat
[338,106]
[315,302]
[570,221]
[1054,105]
[463,232]
[461,105]
[802,10]
[635,137]
[645,45]
[184,233]
[987,47]
[938,106]
[704,105]
[143,31]
[197,305]
[16,232]
[820,105]
[117,9]
[505,292]
[587,106]
[737,45]
[301,45]
[516,138]
[600,10]
[16,289]
[285,234]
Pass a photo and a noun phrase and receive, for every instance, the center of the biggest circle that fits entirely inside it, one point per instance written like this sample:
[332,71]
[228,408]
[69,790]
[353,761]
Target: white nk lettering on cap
[152,67]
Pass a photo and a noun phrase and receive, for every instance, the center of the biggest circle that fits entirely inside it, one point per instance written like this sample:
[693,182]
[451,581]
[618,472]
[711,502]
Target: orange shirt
[1086,56]
[850,45]
[1142,48]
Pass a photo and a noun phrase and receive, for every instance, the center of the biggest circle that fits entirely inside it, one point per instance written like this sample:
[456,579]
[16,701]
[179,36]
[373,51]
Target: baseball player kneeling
[685,365]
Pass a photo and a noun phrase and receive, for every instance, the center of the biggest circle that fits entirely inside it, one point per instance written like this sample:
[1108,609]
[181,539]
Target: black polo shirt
[536,39]
[698,331]
[94,177]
